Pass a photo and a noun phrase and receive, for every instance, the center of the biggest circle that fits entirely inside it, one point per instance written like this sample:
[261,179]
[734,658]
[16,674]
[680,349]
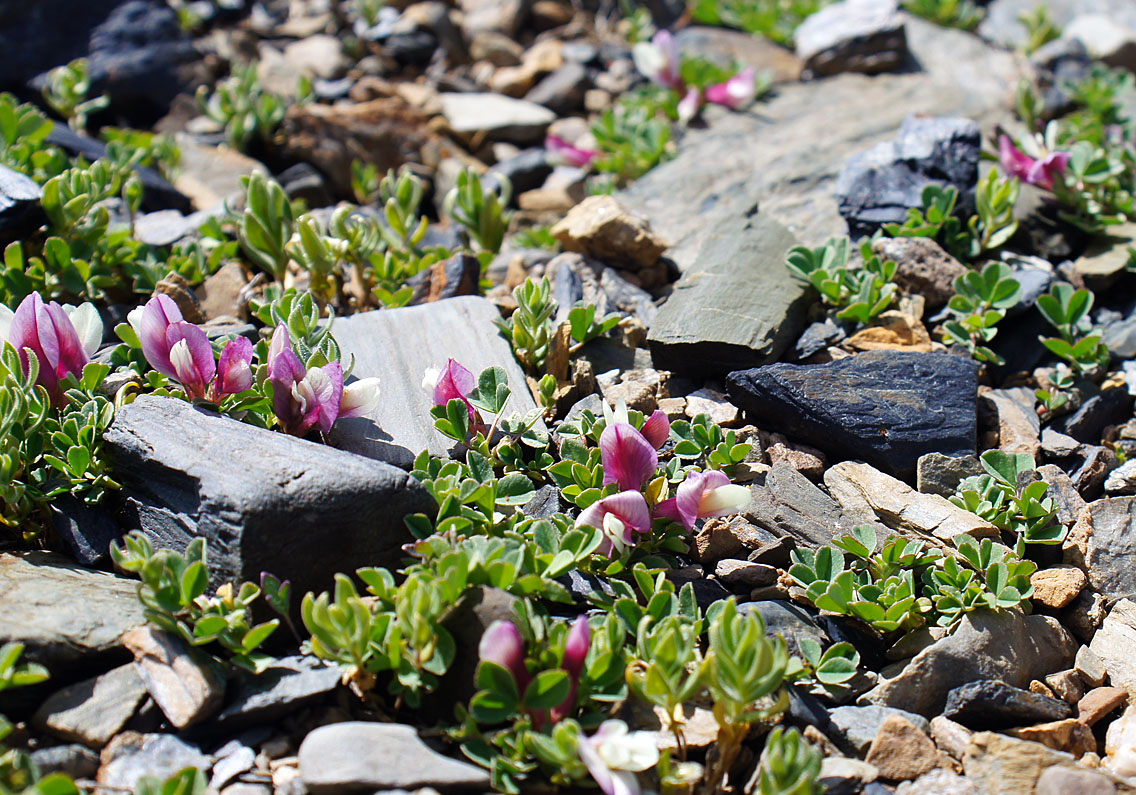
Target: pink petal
[157,316]
[657,429]
[330,395]
[72,355]
[689,497]
[735,92]
[234,373]
[502,644]
[1014,161]
[668,509]
[630,507]
[284,371]
[26,334]
[669,77]
[202,366]
[455,381]
[689,105]
[576,649]
[629,460]
[281,341]
[569,154]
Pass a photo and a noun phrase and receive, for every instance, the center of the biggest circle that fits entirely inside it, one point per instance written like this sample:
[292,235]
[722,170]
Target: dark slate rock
[806,710]
[575,277]
[788,620]
[265,501]
[86,531]
[865,36]
[1093,464]
[1111,546]
[289,684]
[563,90]
[34,37]
[157,193]
[991,704]
[1110,407]
[458,275]
[706,592]
[544,503]
[526,171]
[397,346]
[817,337]
[20,211]
[884,407]
[712,323]
[583,586]
[303,181]
[878,186]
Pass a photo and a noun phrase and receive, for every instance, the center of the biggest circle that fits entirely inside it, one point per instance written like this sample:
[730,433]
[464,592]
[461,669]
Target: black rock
[458,275]
[806,710]
[789,621]
[992,704]
[706,592]
[525,171]
[157,193]
[265,501]
[34,37]
[817,337]
[76,761]
[583,586]
[877,187]
[86,531]
[1110,407]
[544,503]
[413,48]
[20,210]
[303,181]
[884,407]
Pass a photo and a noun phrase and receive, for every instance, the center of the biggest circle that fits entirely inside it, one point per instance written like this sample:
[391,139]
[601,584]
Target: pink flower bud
[502,644]
[620,516]
[737,92]
[455,381]
[191,358]
[575,653]
[234,371]
[150,323]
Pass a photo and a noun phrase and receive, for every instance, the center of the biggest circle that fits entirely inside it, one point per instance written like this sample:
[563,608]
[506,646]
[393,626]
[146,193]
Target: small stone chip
[901,751]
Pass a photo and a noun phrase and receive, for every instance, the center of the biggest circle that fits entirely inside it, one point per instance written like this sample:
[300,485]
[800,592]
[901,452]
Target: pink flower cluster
[503,645]
[1032,171]
[62,339]
[659,61]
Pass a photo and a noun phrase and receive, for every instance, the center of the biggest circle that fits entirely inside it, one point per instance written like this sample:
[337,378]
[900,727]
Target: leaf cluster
[1010,499]
[860,294]
[980,302]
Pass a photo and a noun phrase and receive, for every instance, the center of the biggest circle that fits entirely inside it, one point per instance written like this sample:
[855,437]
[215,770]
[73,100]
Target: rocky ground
[512,395]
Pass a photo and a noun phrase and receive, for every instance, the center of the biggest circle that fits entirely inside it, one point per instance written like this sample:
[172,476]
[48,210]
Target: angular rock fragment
[186,688]
[93,711]
[852,36]
[1115,644]
[990,704]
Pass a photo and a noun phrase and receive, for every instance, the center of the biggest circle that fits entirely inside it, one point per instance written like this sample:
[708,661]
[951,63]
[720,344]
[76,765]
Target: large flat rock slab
[65,614]
[885,407]
[397,346]
[265,501]
[786,152]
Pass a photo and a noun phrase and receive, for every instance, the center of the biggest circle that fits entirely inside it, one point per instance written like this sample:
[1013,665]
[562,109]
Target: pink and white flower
[1032,171]
[566,153]
[613,755]
[453,381]
[47,331]
[658,60]
[702,495]
[620,517]
[735,93]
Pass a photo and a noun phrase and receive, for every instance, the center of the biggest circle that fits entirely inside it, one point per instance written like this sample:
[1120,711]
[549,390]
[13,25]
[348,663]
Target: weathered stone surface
[940,474]
[923,268]
[265,501]
[990,704]
[1064,781]
[498,16]
[884,407]
[497,117]
[385,132]
[790,622]
[1069,735]
[1090,667]
[727,47]
[1018,424]
[878,186]
[787,156]
[744,575]
[397,346]
[130,756]
[1057,586]
[19,203]
[185,688]
[1103,541]
[1008,646]
[901,750]
[938,782]
[1007,765]
[856,727]
[76,761]
[1115,644]
[600,227]
[67,614]
[354,756]
[711,323]
[864,36]
[91,712]
[287,685]
[900,507]
[1099,703]
[952,738]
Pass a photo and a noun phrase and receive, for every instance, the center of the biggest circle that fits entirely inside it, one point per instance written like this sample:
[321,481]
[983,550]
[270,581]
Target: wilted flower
[701,495]
[49,333]
[568,154]
[689,105]
[737,92]
[234,370]
[620,516]
[1017,163]
[452,381]
[613,755]
[658,60]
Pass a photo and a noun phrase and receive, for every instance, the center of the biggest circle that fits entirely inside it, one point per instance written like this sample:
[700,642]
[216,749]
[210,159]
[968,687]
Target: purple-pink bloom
[702,495]
[47,331]
[1017,163]
[689,105]
[620,516]
[568,154]
[658,61]
[657,429]
[502,644]
[575,653]
[150,323]
[302,398]
[629,460]
[736,92]
[234,370]
[191,358]
[453,381]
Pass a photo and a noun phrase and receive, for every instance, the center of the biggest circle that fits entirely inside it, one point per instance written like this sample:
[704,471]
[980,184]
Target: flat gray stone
[497,116]
[713,323]
[130,756]
[1008,646]
[397,346]
[284,687]
[940,474]
[1002,23]
[858,726]
[93,711]
[264,500]
[358,756]
[1109,543]
[66,614]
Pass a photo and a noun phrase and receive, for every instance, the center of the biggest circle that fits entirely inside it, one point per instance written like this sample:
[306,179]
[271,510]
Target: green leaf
[548,689]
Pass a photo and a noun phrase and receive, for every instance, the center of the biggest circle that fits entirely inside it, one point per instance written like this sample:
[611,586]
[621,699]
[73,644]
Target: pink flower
[1017,163]
[47,331]
[150,323]
[234,371]
[658,61]
[689,106]
[629,460]
[191,358]
[620,516]
[575,652]
[565,152]
[302,398]
[452,381]
[502,644]
[657,429]
[702,495]
[736,92]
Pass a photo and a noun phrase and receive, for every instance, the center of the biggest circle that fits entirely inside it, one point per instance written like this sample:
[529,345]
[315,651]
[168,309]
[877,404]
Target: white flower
[613,755]
[359,397]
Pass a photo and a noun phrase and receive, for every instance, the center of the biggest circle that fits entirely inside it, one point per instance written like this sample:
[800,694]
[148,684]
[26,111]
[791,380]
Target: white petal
[724,499]
[88,325]
[430,378]
[649,59]
[134,317]
[182,360]
[359,397]
[6,315]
